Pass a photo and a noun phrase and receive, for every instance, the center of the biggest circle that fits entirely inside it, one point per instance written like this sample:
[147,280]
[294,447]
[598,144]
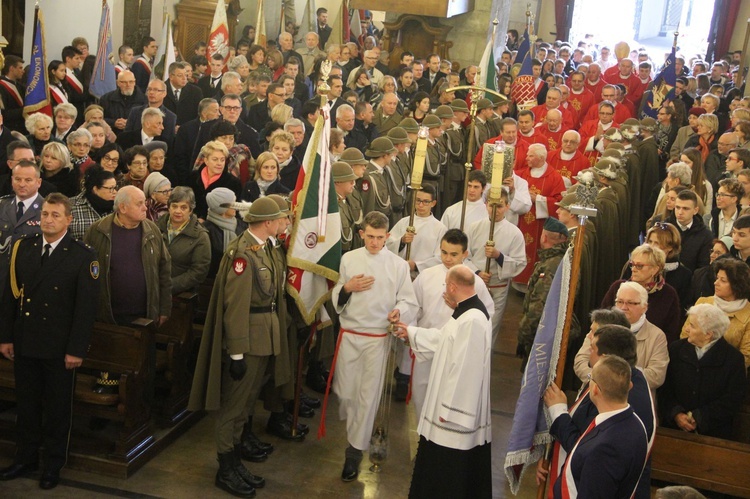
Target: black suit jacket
[245,135]
[258,115]
[205,85]
[60,298]
[182,152]
[170,121]
[323,32]
[126,140]
[187,107]
[12,110]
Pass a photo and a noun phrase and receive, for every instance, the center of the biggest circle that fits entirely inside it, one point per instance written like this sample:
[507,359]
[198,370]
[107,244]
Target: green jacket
[190,251]
[157,267]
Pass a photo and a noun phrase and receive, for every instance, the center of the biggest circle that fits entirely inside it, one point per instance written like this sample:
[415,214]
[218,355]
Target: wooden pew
[174,345]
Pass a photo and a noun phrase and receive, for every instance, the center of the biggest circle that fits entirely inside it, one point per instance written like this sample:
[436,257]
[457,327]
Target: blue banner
[663,88]
[103,79]
[37,85]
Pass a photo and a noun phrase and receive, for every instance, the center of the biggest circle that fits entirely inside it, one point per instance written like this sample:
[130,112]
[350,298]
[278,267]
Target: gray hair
[710,319]
[204,103]
[332,47]
[77,134]
[682,172]
[634,286]
[537,150]
[182,194]
[35,119]
[607,316]
[293,122]
[151,112]
[125,196]
[67,109]
[229,78]
[344,108]
[679,492]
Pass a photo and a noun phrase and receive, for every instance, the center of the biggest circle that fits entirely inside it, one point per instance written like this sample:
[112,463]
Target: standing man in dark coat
[118,103]
[47,315]
[12,93]
[182,98]
[324,31]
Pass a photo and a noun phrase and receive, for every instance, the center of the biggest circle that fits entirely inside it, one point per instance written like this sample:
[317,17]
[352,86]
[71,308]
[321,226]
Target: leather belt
[263,310]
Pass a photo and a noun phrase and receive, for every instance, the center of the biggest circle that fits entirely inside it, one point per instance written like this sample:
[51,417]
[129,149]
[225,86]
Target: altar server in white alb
[453,458]
[507,256]
[374,289]
[475,210]
[436,307]
[425,240]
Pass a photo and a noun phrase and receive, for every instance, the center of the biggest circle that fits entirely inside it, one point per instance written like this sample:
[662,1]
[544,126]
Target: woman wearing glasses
[647,269]
[94,202]
[157,189]
[136,159]
[666,237]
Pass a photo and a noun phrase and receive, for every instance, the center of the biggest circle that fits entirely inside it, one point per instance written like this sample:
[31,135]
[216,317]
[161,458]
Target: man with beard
[118,103]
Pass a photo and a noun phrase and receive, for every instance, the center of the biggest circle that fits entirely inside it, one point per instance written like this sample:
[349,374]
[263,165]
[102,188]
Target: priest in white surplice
[453,458]
[374,289]
[436,308]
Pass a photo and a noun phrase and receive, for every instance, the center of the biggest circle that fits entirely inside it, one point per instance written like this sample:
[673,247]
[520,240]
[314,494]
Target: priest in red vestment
[592,131]
[552,129]
[568,160]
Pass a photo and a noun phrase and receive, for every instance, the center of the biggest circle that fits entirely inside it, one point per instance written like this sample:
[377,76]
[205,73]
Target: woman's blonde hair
[281,113]
[59,152]
[214,146]
[654,255]
[265,156]
[91,108]
[281,136]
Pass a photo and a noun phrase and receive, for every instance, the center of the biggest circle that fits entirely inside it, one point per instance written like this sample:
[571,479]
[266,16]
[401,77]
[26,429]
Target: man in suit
[47,316]
[19,212]
[609,457]
[144,64]
[74,84]
[286,46]
[152,128]
[433,69]
[12,93]
[184,140]
[260,114]
[211,84]
[155,94]
[324,31]
[182,99]
[17,151]
[118,103]
[230,109]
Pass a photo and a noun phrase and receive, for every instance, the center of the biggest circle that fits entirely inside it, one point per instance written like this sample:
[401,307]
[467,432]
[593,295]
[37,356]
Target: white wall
[66,19]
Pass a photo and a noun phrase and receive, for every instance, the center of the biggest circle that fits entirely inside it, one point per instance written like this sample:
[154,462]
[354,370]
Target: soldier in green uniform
[454,138]
[344,180]
[354,158]
[435,161]
[553,244]
[241,335]
[375,188]
[400,173]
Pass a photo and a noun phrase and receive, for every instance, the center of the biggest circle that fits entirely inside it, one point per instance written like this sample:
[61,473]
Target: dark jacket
[361,137]
[696,243]
[204,85]
[170,122]
[187,107]
[259,115]
[66,182]
[131,138]
[251,192]
[118,106]
[55,314]
[712,388]
[245,135]
[196,183]
[216,237]
[182,150]
[190,251]
[288,175]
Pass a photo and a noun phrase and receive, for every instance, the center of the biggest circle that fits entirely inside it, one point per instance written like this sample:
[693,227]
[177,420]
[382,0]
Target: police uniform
[12,228]
[47,313]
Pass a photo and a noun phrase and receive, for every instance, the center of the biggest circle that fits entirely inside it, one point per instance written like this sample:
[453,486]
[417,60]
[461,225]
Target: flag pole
[416,181]
[583,210]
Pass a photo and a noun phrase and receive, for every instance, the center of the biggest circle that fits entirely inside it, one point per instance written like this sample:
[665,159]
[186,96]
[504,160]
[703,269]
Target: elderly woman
[240,66]
[65,115]
[240,160]
[666,237]
[157,189]
[266,179]
[56,168]
[731,294]
[705,382]
[633,301]
[387,84]
[647,268]
[281,145]
[94,202]
[136,161]
[222,225]
[95,112]
[705,138]
[211,175]
[186,240]
[39,127]
[157,160]
[79,145]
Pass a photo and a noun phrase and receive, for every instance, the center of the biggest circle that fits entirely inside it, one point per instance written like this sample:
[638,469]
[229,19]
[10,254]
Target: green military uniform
[375,184]
[385,123]
[482,131]
[399,170]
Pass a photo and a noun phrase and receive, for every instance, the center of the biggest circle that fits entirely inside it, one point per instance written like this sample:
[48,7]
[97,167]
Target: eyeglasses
[139,163]
[620,303]
[424,201]
[233,108]
[725,195]
[165,191]
[110,189]
[638,266]
[155,90]
[280,95]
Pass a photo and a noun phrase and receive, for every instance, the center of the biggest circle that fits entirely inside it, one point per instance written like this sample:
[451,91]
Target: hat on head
[567,201]
[484,104]
[263,209]
[554,225]
[616,146]
[613,134]
[443,88]
[431,121]
[697,111]
[631,122]
[221,129]
[444,112]
[497,101]
[649,124]
[398,135]
[410,125]
[380,147]
[342,172]
[353,156]
[459,105]
[613,155]
[728,241]
[606,169]
[156,144]
[282,203]
[217,197]
[153,183]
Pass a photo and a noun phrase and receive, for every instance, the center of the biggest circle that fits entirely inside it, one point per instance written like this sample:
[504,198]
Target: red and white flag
[218,40]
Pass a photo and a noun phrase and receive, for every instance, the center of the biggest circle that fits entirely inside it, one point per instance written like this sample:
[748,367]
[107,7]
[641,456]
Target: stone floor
[311,469]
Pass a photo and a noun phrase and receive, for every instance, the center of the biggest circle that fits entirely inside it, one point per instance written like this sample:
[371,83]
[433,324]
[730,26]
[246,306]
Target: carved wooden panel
[193,24]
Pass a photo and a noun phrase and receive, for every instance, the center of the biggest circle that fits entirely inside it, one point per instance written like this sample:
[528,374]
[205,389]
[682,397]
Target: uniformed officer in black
[46,317]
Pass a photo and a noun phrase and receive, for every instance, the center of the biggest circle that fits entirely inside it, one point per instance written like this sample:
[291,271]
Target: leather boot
[316,378]
[229,480]
[252,480]
[249,436]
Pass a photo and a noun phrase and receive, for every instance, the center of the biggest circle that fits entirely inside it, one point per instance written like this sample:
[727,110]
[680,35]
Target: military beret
[380,147]
[398,135]
[263,209]
[459,105]
[484,104]
[444,112]
[431,121]
[353,156]
[410,125]
[554,225]
[342,172]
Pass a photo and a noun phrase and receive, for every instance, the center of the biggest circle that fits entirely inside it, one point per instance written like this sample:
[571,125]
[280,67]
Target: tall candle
[498,163]
[420,154]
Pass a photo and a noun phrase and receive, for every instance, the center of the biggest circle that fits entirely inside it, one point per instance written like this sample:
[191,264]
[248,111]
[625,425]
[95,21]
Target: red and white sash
[144,62]
[58,95]
[73,81]
[12,90]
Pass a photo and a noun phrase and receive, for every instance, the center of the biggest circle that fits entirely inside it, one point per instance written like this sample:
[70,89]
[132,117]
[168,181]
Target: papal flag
[530,431]
[218,40]
[103,80]
[315,240]
[37,85]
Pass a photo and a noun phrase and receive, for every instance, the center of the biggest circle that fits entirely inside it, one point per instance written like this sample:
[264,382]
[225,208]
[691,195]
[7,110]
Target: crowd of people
[162,184]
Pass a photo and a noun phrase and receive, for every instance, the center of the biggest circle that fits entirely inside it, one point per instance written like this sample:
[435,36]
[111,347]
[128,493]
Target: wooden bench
[174,350]
[115,349]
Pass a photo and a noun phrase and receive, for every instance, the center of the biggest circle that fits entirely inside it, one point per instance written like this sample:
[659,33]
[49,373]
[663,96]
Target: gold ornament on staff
[496,189]
[416,180]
